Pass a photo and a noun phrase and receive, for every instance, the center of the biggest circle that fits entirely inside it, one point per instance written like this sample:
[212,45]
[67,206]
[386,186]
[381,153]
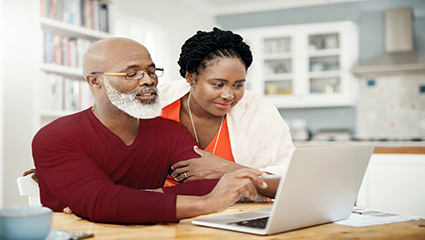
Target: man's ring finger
[185,175]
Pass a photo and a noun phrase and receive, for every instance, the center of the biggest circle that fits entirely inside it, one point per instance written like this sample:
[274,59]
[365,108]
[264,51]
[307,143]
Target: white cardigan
[259,137]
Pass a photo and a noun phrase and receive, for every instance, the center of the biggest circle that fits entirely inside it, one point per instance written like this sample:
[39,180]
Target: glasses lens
[137,75]
[159,72]
[134,75]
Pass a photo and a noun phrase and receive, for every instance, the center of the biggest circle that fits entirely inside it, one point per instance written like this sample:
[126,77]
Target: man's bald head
[105,54]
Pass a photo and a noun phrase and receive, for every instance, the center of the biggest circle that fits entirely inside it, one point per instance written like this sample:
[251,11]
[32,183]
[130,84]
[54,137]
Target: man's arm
[69,178]
[226,192]
[229,187]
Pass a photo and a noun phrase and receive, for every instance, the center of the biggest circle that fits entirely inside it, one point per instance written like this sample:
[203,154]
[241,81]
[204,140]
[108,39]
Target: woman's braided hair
[205,46]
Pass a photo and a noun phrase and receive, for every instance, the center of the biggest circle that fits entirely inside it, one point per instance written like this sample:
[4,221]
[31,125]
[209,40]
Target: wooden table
[186,231]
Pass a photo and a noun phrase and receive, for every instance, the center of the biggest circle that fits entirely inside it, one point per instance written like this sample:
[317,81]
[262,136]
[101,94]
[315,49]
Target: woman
[227,121]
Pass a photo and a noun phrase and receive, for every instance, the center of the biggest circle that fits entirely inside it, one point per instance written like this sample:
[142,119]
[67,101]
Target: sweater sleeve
[67,175]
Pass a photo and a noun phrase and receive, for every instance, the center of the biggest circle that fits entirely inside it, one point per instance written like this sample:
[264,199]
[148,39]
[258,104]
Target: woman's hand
[31,171]
[207,166]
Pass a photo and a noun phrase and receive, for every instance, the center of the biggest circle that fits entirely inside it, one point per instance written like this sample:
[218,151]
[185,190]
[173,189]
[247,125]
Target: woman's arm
[208,166]
[211,166]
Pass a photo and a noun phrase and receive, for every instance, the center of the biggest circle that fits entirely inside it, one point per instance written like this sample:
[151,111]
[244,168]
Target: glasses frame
[125,74]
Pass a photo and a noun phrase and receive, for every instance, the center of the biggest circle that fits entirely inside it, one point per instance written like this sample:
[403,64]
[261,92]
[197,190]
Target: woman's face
[218,87]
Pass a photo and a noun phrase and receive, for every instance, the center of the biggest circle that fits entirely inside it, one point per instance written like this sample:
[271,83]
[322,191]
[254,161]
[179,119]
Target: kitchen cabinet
[395,183]
[306,65]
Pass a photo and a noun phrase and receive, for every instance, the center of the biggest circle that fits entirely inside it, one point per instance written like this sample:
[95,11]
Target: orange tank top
[223,149]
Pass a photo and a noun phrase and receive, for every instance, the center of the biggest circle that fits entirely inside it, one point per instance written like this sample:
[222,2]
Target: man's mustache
[147,89]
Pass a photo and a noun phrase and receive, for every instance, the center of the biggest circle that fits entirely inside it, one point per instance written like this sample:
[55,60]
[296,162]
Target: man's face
[138,98]
[132,105]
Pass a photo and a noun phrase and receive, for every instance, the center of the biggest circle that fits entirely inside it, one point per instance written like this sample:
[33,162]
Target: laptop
[320,186]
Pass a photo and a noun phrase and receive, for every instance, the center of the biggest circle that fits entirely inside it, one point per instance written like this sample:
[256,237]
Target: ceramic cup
[25,222]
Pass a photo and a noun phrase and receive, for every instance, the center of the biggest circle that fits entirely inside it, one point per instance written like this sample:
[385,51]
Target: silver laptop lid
[321,185]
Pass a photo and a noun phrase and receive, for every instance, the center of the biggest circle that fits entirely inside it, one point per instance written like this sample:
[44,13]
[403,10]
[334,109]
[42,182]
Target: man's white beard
[129,103]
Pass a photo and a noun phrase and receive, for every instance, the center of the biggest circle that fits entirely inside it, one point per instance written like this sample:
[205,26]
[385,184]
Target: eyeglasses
[136,74]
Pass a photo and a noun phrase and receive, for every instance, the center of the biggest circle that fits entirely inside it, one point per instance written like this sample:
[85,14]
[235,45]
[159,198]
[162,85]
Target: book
[104,18]
[72,52]
[87,13]
[57,49]
[48,47]
[65,51]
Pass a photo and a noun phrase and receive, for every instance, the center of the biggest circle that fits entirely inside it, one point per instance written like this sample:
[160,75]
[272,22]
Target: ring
[185,175]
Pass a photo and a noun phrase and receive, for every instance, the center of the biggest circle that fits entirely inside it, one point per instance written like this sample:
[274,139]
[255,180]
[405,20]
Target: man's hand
[227,191]
[207,166]
[232,185]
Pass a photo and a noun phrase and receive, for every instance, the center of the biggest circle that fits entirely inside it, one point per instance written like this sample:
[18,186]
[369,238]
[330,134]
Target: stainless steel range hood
[400,57]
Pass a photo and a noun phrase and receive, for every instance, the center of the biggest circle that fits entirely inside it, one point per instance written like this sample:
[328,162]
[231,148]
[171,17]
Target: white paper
[366,217]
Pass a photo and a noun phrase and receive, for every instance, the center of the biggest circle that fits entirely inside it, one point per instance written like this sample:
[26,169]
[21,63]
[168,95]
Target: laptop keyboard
[256,223]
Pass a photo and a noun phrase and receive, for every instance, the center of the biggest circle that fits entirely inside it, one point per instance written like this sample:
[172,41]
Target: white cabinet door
[395,183]
[304,65]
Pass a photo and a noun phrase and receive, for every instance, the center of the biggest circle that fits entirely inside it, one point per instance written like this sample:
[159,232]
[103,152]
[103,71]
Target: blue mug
[25,222]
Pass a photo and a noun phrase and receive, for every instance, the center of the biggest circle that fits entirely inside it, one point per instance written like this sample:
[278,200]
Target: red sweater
[80,163]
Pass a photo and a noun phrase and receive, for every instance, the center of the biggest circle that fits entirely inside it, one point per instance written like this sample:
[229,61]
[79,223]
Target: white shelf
[69,30]
[324,52]
[62,70]
[279,76]
[311,101]
[324,74]
[55,113]
[277,56]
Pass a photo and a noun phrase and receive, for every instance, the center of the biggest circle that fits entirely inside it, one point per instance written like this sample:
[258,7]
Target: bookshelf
[23,72]
[66,29]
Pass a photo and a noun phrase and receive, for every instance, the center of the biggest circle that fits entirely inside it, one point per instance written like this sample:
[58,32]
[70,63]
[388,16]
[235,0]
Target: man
[103,161]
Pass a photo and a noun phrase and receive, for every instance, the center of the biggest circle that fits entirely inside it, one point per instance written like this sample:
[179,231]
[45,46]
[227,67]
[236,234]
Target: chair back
[28,187]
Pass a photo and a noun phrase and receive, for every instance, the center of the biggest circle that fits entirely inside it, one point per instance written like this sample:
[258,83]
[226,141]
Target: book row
[91,14]
[62,50]
[66,94]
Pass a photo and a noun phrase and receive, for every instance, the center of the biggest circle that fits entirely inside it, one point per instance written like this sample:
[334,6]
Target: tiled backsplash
[392,106]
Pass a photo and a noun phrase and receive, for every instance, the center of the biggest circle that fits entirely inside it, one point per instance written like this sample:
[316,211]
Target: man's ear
[93,80]
[190,78]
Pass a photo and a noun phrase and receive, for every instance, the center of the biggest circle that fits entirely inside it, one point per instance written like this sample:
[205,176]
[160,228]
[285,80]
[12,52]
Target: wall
[178,20]
[369,15]
[316,119]
[1,105]
[18,69]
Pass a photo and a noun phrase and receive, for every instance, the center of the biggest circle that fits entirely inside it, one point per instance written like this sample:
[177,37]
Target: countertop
[396,147]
